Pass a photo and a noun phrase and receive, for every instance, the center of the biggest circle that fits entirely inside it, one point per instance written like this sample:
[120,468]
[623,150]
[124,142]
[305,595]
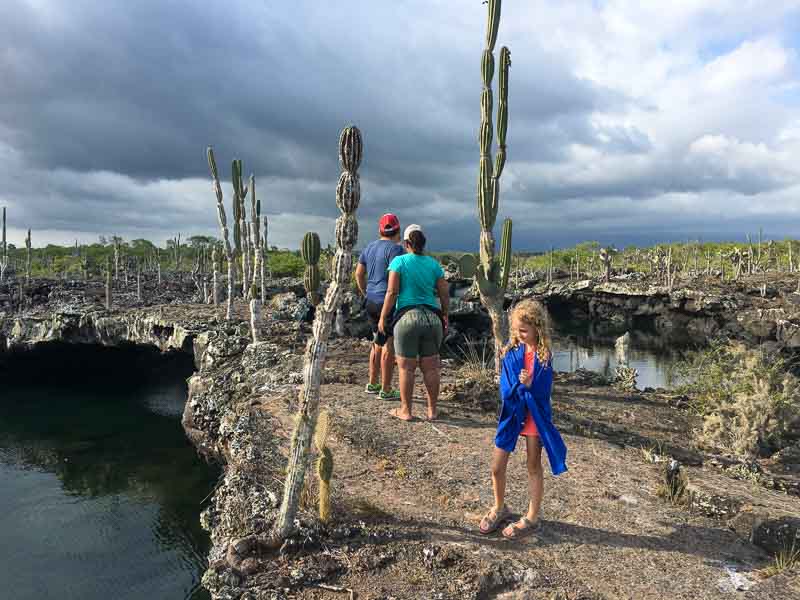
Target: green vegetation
[786,559]
[698,256]
[53,261]
[749,400]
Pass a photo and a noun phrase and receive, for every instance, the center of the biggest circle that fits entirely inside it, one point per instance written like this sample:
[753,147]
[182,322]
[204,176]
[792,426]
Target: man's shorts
[374,316]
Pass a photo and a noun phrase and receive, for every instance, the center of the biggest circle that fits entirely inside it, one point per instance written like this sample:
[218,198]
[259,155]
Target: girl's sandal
[521,528]
[491,521]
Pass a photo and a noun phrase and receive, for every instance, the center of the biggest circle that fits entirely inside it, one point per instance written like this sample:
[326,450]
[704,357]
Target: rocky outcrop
[700,312]
[98,327]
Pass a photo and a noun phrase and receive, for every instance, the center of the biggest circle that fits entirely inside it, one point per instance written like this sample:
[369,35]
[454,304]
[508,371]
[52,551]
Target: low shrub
[284,263]
[749,400]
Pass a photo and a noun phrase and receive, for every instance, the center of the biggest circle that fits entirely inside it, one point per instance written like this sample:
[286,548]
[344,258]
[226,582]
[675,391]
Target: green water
[100,492]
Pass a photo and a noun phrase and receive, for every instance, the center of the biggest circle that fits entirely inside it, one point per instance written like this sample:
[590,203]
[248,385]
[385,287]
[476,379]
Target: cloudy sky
[627,125]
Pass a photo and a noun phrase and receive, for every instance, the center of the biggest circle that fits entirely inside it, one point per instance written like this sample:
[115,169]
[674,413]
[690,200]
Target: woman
[415,281]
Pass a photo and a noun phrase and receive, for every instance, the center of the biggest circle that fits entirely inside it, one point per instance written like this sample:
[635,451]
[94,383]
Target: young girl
[525,382]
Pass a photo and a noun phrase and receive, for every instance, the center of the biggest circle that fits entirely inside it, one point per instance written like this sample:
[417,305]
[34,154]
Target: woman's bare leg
[431,375]
[499,467]
[535,476]
[407,368]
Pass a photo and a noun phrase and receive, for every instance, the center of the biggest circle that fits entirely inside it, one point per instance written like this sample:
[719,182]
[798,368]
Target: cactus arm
[505,254]
[493,25]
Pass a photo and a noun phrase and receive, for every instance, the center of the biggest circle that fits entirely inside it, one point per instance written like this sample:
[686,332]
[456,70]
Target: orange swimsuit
[529,428]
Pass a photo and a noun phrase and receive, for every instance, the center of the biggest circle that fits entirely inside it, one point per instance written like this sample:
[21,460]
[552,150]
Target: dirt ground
[408,497]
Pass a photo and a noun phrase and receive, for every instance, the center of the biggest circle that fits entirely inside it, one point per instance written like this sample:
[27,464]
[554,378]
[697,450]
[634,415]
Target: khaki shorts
[418,333]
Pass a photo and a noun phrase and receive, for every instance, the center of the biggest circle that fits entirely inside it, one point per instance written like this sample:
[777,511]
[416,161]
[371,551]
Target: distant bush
[749,401]
[283,263]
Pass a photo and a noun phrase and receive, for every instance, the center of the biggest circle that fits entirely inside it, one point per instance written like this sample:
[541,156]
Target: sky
[629,122]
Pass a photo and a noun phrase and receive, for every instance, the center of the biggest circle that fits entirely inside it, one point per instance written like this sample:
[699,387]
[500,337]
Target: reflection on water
[100,492]
[583,347]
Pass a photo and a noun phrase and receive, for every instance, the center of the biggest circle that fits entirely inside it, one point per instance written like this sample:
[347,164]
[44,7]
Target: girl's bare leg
[499,466]
[535,476]
[431,376]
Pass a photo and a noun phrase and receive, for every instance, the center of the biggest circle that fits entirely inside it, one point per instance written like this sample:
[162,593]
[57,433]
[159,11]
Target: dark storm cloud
[142,87]
[106,109]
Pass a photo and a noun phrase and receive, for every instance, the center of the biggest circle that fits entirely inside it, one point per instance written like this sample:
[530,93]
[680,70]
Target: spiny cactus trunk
[4,256]
[138,282]
[223,225]
[215,277]
[262,262]
[29,260]
[497,313]
[255,318]
[245,260]
[350,152]
[108,284]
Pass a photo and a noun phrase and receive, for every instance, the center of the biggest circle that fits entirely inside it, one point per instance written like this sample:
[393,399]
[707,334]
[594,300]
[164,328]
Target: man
[372,277]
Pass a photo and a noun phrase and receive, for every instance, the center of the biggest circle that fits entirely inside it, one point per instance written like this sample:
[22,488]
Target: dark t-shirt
[376,258]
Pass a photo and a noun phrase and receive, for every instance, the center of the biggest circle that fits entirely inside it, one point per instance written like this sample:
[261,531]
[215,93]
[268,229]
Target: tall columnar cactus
[29,260]
[350,153]
[215,276]
[310,251]
[177,249]
[223,225]
[255,236]
[4,255]
[492,274]
[138,280]
[239,195]
[108,283]
[605,259]
[255,316]
[262,262]
[240,223]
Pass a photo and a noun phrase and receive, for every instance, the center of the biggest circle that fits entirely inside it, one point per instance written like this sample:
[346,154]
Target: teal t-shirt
[418,276]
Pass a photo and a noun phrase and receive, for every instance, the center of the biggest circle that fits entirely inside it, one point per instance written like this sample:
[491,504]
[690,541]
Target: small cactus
[310,250]
[324,466]
[467,265]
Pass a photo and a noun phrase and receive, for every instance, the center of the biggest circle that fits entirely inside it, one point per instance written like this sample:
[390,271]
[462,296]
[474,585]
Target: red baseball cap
[389,224]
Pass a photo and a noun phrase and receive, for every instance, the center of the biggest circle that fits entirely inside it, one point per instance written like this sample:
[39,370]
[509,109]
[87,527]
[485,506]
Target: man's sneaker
[390,395]
[373,388]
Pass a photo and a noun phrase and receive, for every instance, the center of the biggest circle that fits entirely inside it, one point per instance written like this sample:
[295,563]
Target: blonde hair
[534,314]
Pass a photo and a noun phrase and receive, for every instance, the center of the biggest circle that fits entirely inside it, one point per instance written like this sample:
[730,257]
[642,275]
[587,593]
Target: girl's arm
[543,386]
[389,300]
[509,380]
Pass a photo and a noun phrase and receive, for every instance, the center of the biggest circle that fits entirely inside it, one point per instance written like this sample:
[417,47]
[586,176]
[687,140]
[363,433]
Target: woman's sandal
[521,528]
[491,521]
